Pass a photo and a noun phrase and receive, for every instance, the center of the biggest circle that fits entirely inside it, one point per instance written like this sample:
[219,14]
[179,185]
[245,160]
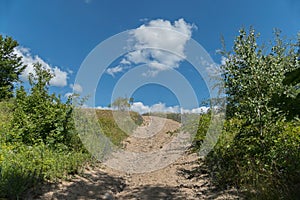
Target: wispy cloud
[166,40]
[112,71]
[60,76]
[77,88]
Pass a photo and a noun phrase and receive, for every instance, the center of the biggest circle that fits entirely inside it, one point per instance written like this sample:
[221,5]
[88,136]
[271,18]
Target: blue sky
[61,34]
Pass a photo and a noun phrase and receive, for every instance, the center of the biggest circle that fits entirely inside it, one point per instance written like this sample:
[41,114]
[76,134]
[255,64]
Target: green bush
[40,117]
[258,149]
[268,166]
[203,125]
[38,138]
[5,118]
[16,181]
[264,167]
[23,167]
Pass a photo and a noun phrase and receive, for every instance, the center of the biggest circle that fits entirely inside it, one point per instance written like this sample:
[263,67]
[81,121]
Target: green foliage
[258,149]
[110,127]
[253,79]
[50,163]
[121,103]
[291,104]
[23,167]
[10,67]
[16,181]
[173,116]
[202,122]
[266,168]
[5,117]
[292,77]
[38,138]
[40,117]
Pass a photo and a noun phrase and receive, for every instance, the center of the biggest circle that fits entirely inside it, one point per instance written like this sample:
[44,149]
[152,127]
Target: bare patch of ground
[181,179]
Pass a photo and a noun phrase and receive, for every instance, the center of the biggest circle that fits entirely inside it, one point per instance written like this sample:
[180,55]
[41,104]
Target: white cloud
[167,41]
[161,107]
[60,77]
[77,88]
[104,108]
[140,107]
[112,71]
[202,109]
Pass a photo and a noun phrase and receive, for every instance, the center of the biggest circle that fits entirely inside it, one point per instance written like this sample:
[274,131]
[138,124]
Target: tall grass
[172,116]
[23,167]
[263,167]
[127,120]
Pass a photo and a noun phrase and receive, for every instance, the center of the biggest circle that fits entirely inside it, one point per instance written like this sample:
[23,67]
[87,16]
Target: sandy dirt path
[117,177]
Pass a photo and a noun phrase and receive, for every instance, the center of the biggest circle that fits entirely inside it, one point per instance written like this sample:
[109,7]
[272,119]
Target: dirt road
[154,165]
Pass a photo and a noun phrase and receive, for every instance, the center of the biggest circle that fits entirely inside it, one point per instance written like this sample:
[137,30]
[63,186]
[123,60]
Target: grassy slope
[173,116]
[110,127]
[19,162]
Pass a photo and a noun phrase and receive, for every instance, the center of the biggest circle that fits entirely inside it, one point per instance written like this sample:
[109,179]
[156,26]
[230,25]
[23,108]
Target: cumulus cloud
[161,107]
[159,43]
[140,107]
[60,76]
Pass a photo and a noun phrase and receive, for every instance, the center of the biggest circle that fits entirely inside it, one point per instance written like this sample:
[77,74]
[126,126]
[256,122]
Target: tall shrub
[40,117]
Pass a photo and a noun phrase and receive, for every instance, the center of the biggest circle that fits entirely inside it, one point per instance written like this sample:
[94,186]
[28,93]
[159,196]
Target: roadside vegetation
[258,151]
[259,148]
[113,130]
[38,138]
[174,116]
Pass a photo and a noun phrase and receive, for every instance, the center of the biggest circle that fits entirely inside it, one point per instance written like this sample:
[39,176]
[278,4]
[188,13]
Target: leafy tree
[291,104]
[121,103]
[10,66]
[259,149]
[40,117]
[131,100]
[254,79]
